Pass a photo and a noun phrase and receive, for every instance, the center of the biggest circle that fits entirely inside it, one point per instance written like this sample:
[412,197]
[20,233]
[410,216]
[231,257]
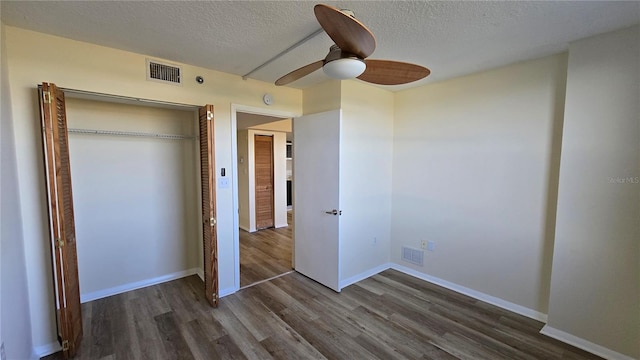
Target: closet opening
[136,180]
[131,197]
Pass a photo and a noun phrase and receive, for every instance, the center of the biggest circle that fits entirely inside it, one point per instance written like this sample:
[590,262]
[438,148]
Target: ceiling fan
[347,58]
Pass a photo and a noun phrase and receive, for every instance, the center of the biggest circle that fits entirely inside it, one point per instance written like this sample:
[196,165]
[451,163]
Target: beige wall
[365,177]
[243,180]
[365,171]
[15,326]
[34,58]
[280,126]
[472,171]
[595,286]
[321,97]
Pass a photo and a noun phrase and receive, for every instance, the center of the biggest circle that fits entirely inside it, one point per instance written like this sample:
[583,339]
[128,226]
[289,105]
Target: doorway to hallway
[265,221]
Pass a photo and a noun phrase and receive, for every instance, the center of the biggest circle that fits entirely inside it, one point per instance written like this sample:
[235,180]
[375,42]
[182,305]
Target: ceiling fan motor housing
[348,12]
[336,53]
[342,65]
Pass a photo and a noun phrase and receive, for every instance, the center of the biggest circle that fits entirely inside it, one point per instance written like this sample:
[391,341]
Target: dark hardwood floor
[388,316]
[265,253]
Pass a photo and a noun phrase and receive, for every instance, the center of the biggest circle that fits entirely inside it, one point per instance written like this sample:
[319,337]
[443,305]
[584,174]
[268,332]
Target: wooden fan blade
[387,72]
[347,32]
[299,73]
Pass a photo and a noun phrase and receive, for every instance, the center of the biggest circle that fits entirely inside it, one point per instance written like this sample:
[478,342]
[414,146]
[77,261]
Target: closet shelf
[130,134]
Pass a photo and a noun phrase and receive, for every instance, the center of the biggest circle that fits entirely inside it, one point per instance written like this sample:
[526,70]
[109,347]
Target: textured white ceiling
[451,38]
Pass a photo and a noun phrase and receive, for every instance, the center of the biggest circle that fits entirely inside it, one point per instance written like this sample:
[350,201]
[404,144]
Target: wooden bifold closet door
[61,220]
[208,181]
[61,217]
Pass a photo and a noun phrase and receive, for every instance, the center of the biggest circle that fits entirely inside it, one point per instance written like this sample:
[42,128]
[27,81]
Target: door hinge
[59,243]
[209,115]
[211,222]
[46,97]
[65,345]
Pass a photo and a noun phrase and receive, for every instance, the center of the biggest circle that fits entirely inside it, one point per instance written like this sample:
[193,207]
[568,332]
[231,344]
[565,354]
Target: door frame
[235,108]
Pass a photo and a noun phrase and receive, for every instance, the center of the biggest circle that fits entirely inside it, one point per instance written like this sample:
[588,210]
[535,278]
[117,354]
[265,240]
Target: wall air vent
[163,72]
[413,256]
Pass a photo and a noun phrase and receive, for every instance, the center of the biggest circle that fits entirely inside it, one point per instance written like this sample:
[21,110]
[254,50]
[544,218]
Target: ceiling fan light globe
[347,68]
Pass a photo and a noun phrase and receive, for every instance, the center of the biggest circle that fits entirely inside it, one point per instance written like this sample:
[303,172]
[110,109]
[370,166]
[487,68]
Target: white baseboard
[354,279]
[44,350]
[223,292]
[95,295]
[518,309]
[244,228]
[583,344]
[281,225]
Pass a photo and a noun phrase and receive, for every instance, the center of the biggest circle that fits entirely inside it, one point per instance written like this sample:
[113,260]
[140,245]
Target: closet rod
[83,94]
[130,134]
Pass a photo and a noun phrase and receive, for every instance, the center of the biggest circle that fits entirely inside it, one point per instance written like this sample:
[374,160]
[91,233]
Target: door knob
[211,222]
[334,212]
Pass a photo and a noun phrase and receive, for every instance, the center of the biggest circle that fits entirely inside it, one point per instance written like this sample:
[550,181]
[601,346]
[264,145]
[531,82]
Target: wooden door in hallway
[263,149]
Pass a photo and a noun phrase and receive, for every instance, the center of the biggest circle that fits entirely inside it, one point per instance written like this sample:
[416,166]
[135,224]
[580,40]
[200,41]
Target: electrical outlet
[424,244]
[431,245]
[223,183]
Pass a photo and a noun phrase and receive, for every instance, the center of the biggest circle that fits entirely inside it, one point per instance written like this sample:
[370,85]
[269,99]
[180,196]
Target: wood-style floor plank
[101,330]
[265,253]
[146,333]
[388,316]
[250,346]
[124,346]
[175,346]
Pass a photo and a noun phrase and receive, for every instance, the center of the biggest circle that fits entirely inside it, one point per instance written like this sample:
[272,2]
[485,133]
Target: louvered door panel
[263,149]
[207,171]
[61,218]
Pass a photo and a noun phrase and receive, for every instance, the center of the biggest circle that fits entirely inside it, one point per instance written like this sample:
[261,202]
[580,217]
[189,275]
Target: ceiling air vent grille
[162,72]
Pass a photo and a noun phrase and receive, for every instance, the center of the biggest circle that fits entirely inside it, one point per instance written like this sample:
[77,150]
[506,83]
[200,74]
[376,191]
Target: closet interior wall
[136,199]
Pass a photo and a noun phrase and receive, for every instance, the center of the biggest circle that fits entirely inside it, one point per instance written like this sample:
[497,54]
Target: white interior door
[316,196]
